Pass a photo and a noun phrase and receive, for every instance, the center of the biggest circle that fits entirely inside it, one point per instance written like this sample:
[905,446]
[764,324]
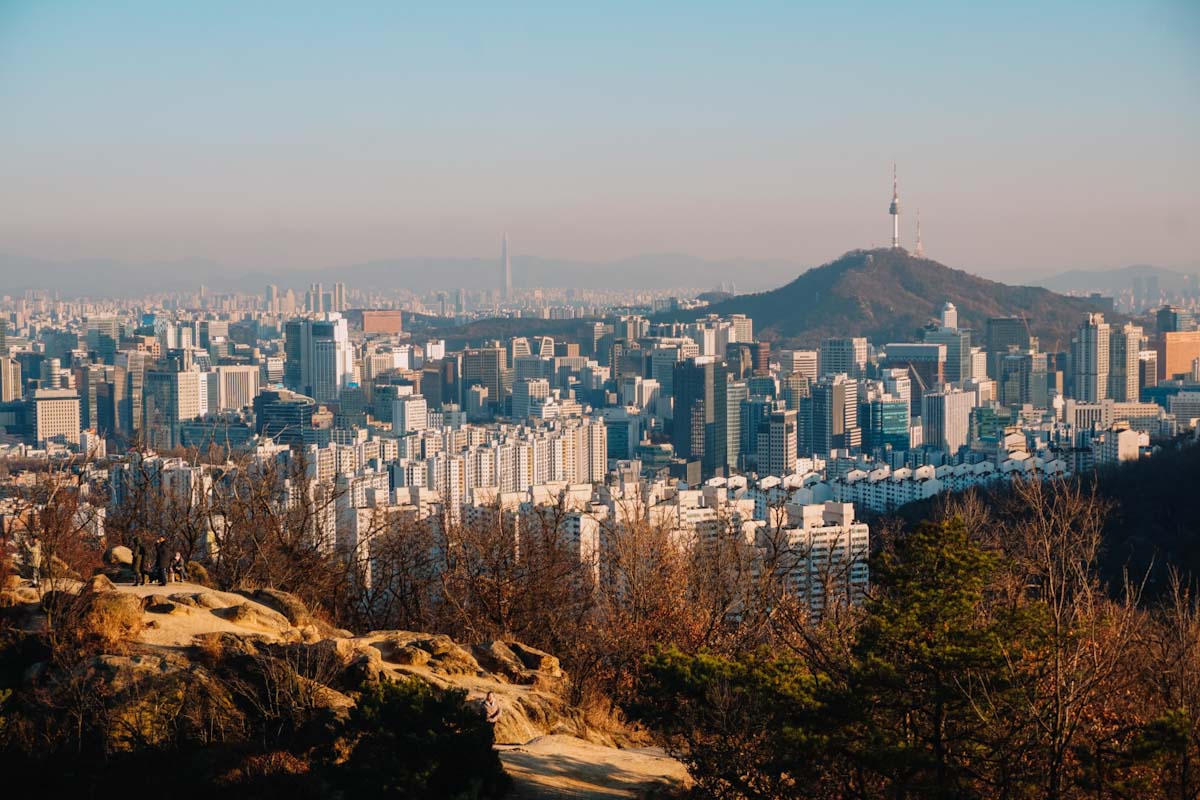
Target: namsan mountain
[889,295]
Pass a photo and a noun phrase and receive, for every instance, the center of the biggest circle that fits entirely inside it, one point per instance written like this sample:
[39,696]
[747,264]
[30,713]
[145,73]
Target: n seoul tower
[895,210]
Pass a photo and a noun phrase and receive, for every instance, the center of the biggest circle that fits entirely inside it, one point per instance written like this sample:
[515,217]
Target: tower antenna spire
[920,250]
[506,269]
[894,210]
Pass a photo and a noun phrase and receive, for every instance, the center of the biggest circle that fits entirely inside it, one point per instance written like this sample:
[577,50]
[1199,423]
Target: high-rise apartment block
[1090,359]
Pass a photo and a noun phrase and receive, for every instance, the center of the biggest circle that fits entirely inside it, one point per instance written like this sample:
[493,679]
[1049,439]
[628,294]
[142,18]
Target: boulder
[364,669]
[162,606]
[119,555]
[497,657]
[285,603]
[325,654]
[232,644]
[448,657]
[98,584]
[400,650]
[410,656]
[209,600]
[252,616]
[536,659]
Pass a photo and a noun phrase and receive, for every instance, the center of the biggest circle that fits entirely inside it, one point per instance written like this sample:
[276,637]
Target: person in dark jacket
[139,562]
[162,559]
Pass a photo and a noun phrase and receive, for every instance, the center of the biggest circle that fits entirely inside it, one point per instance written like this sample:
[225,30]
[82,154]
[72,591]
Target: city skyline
[436,399]
[763,134]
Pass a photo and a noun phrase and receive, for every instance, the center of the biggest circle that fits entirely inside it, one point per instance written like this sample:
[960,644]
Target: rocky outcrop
[173,636]
[290,606]
[118,556]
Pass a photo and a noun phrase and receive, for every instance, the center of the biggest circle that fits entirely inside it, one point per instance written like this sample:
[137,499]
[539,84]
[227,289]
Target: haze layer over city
[738,401]
[221,138]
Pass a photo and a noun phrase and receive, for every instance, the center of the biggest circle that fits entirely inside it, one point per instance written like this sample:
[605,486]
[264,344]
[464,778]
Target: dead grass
[113,619]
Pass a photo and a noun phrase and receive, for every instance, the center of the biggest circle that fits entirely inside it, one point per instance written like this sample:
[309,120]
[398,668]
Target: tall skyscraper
[1124,347]
[104,336]
[314,301]
[884,422]
[319,358]
[486,367]
[88,382]
[946,419]
[835,415]
[1090,359]
[506,265]
[172,396]
[736,392]
[10,379]
[777,443]
[1023,379]
[129,390]
[958,344]
[698,426]
[1000,334]
[1173,319]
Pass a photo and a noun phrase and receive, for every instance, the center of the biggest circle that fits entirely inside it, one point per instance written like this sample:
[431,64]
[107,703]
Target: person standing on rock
[162,560]
[491,709]
[35,559]
[139,561]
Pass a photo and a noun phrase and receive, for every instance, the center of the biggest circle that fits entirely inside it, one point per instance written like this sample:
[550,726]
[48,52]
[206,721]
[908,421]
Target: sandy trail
[552,767]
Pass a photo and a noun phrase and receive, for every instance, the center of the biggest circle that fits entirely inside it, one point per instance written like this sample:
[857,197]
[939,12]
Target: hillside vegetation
[889,295]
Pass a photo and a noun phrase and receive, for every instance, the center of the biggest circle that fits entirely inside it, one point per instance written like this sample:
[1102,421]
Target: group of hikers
[162,568]
[156,564]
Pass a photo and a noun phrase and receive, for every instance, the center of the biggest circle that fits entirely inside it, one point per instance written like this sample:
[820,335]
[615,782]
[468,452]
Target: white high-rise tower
[507,269]
[895,210]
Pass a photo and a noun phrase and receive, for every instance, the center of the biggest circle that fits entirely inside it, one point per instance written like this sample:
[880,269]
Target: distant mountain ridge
[98,277]
[1116,280]
[889,295]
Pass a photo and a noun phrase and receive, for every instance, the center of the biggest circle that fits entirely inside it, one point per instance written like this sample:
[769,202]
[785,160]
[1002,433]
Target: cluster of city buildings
[700,426]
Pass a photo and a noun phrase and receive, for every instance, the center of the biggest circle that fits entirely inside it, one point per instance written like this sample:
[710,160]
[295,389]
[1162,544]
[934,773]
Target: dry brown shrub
[210,649]
[198,574]
[113,619]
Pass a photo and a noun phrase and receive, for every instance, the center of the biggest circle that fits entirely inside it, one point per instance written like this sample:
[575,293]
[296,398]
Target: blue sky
[262,133]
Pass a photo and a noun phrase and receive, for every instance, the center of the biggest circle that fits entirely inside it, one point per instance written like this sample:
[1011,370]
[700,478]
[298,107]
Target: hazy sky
[1029,134]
